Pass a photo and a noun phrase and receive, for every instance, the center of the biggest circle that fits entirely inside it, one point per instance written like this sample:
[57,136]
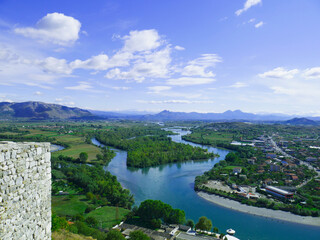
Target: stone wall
[25,191]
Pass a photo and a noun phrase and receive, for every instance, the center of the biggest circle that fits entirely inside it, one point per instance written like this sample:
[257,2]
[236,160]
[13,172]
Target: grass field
[213,137]
[77,204]
[107,216]
[65,235]
[77,144]
[63,205]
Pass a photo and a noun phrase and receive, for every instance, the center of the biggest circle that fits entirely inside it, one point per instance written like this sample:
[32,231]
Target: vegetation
[154,212]
[138,235]
[95,180]
[146,151]
[204,224]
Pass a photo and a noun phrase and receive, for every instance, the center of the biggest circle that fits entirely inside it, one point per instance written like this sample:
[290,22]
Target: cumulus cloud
[280,73]
[54,65]
[312,73]
[259,24]
[144,40]
[248,4]
[189,81]
[149,65]
[99,62]
[55,28]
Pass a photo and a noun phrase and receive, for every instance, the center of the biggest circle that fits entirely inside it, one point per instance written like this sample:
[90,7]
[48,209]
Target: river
[173,184]
[55,148]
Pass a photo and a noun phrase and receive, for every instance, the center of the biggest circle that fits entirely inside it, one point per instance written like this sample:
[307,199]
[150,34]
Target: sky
[259,56]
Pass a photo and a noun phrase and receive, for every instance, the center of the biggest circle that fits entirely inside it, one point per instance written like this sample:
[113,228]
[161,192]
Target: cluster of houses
[174,232]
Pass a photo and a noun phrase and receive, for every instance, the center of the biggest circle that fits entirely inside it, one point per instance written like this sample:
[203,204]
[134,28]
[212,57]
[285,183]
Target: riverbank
[263,212]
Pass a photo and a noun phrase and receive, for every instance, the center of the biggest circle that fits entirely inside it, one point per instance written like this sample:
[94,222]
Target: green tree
[90,195]
[91,221]
[114,235]
[190,223]
[204,224]
[138,235]
[58,223]
[83,156]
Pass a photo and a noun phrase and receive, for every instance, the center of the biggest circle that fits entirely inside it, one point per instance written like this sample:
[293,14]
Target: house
[271,155]
[268,181]
[274,168]
[184,228]
[311,159]
[185,236]
[251,161]
[237,170]
[268,161]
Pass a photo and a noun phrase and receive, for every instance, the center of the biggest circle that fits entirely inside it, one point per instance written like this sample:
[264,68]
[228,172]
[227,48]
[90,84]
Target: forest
[150,150]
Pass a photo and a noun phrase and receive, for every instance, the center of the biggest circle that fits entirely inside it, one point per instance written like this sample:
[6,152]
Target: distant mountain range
[40,111]
[45,111]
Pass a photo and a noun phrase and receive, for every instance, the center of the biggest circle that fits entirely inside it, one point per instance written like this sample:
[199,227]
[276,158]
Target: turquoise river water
[173,184]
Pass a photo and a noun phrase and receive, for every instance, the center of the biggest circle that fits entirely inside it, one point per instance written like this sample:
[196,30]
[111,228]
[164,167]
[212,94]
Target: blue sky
[181,55]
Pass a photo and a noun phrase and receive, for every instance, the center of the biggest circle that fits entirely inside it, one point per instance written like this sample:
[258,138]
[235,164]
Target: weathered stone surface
[25,191]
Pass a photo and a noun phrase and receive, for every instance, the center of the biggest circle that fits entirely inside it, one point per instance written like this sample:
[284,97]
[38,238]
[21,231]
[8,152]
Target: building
[271,155]
[277,192]
[185,236]
[237,170]
[274,168]
[311,159]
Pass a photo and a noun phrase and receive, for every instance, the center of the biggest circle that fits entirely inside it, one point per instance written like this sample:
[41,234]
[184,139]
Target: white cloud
[239,85]
[252,20]
[179,48]
[149,65]
[4,98]
[279,72]
[311,73]
[189,81]
[174,102]
[17,67]
[54,65]
[144,40]
[248,4]
[38,93]
[284,90]
[199,66]
[82,86]
[259,24]
[157,89]
[120,88]
[99,62]
[55,27]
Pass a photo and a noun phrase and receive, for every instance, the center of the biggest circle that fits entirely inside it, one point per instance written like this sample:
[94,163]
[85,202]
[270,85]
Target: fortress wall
[25,191]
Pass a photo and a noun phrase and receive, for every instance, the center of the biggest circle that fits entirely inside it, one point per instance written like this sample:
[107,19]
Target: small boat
[231,231]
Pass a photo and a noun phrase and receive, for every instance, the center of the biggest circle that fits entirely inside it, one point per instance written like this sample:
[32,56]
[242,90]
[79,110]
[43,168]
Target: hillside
[40,111]
[301,121]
